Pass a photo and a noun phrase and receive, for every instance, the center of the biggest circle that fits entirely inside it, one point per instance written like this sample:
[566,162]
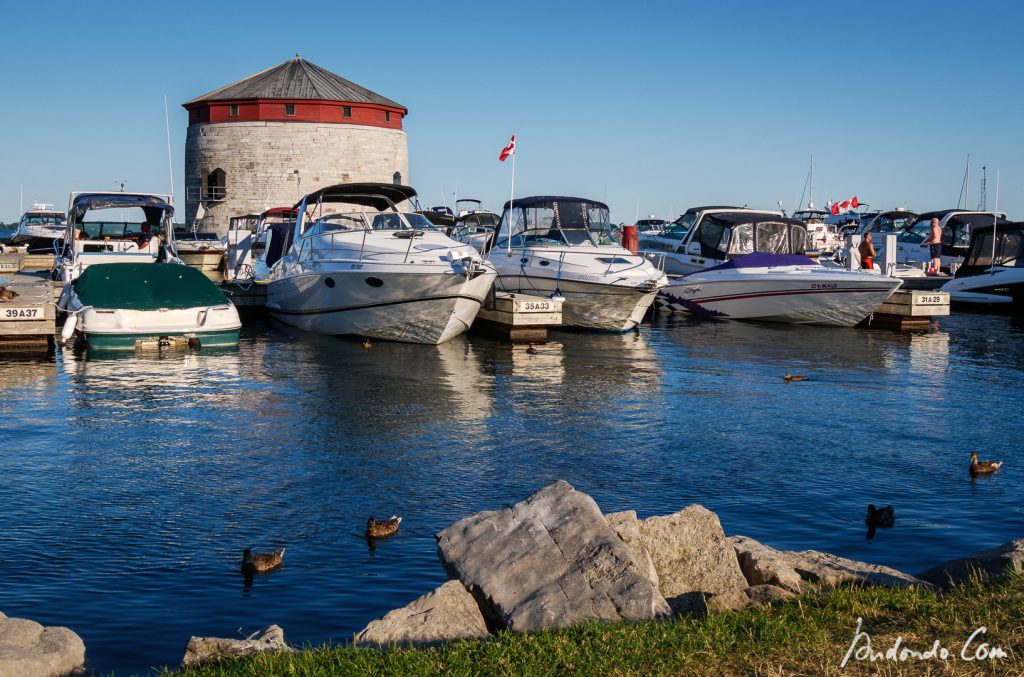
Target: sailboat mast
[810,189]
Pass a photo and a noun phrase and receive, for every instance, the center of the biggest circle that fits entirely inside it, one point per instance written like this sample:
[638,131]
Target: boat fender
[69,328]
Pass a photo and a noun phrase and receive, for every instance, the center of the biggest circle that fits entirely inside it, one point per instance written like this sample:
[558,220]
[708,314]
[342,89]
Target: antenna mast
[983,198]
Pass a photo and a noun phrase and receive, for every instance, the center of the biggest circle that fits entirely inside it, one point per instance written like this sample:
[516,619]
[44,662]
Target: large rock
[627,526]
[993,563]
[692,557]
[27,649]
[830,570]
[762,565]
[203,649]
[445,614]
[548,561]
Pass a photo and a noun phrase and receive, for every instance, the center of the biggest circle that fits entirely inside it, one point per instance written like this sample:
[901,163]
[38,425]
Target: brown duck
[793,379]
[382,528]
[7,294]
[983,467]
[262,563]
[367,344]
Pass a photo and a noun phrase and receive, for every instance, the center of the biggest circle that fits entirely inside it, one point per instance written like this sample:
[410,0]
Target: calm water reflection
[130,486]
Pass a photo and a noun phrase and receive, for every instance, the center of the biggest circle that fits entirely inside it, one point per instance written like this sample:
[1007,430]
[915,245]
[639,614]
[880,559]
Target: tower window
[346,111]
[289,109]
[233,110]
[387,116]
[216,186]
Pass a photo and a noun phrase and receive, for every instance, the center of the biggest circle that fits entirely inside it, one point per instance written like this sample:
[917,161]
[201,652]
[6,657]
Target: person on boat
[145,235]
[867,252]
[934,240]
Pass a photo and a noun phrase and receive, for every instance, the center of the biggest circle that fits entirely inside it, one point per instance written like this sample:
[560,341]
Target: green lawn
[806,635]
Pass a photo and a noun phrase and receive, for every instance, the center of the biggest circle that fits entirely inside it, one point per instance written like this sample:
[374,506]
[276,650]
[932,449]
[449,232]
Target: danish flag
[843,207]
[508,150]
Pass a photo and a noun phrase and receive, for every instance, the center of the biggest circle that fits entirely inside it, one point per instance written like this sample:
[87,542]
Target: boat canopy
[730,234]
[146,286]
[1009,249]
[379,196]
[287,212]
[153,206]
[554,220]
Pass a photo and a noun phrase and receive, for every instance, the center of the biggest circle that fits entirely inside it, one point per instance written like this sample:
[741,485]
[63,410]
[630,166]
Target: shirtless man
[935,240]
[867,252]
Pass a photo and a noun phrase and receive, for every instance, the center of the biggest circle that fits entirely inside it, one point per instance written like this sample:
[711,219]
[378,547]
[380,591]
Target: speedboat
[125,287]
[107,227]
[39,229]
[474,227]
[564,246]
[651,224]
[987,280]
[956,227]
[821,236]
[376,272]
[203,251]
[126,306]
[764,276]
[690,243]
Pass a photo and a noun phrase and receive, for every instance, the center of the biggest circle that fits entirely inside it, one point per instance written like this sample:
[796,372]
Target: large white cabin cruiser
[550,246]
[39,229]
[762,274]
[992,274]
[375,272]
[125,287]
[956,225]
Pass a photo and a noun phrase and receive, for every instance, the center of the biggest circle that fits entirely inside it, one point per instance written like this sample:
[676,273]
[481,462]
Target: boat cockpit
[549,221]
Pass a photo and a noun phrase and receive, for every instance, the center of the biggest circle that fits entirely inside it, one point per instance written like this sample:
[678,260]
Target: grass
[806,635]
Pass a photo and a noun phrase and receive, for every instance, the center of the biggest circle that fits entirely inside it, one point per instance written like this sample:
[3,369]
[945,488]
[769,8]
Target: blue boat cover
[761,260]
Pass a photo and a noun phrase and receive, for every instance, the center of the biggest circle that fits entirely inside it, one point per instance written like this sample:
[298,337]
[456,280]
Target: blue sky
[665,104]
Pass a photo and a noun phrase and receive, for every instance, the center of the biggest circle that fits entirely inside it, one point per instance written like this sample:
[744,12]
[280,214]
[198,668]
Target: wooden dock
[909,309]
[519,317]
[28,314]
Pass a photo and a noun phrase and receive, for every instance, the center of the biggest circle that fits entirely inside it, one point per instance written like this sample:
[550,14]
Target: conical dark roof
[295,79]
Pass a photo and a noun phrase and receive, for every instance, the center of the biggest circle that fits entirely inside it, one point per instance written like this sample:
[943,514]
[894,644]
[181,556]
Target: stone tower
[272,137]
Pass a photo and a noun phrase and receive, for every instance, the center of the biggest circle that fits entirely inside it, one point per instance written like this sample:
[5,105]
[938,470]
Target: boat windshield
[117,223]
[44,219]
[765,237]
[678,229]
[811,216]
[565,223]
[890,223]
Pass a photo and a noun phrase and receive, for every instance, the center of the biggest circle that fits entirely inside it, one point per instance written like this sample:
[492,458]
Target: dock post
[889,254]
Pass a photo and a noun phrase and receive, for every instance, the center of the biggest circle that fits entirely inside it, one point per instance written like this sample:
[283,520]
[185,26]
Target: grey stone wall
[260,160]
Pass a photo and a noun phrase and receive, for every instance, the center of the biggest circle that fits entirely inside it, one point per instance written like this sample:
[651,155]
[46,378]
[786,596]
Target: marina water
[130,486]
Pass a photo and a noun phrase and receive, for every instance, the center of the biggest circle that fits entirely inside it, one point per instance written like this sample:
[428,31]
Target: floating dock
[909,309]
[28,319]
[519,317]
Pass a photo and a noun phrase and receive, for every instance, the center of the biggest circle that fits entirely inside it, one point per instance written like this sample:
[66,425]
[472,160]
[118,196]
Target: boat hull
[588,305]
[384,303]
[811,297]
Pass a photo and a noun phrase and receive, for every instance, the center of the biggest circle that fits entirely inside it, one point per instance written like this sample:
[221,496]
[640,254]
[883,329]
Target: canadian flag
[845,206]
[508,150]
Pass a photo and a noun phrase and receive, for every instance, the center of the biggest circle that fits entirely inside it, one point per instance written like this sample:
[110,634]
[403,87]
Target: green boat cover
[146,286]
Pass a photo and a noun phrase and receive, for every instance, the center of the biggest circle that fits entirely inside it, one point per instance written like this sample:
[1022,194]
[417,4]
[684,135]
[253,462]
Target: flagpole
[511,199]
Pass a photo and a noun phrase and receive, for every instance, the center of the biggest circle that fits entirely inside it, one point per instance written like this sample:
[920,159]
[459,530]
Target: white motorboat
[376,272]
[564,246]
[779,288]
[206,252]
[764,276]
[124,286]
[821,236]
[956,227]
[474,227]
[39,229]
[992,274]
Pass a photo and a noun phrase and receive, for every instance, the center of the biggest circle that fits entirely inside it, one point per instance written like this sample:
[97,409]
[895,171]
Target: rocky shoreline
[554,560]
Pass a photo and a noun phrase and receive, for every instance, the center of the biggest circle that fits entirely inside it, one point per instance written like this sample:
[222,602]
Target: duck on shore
[261,563]
[382,528]
[983,467]
[788,378]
